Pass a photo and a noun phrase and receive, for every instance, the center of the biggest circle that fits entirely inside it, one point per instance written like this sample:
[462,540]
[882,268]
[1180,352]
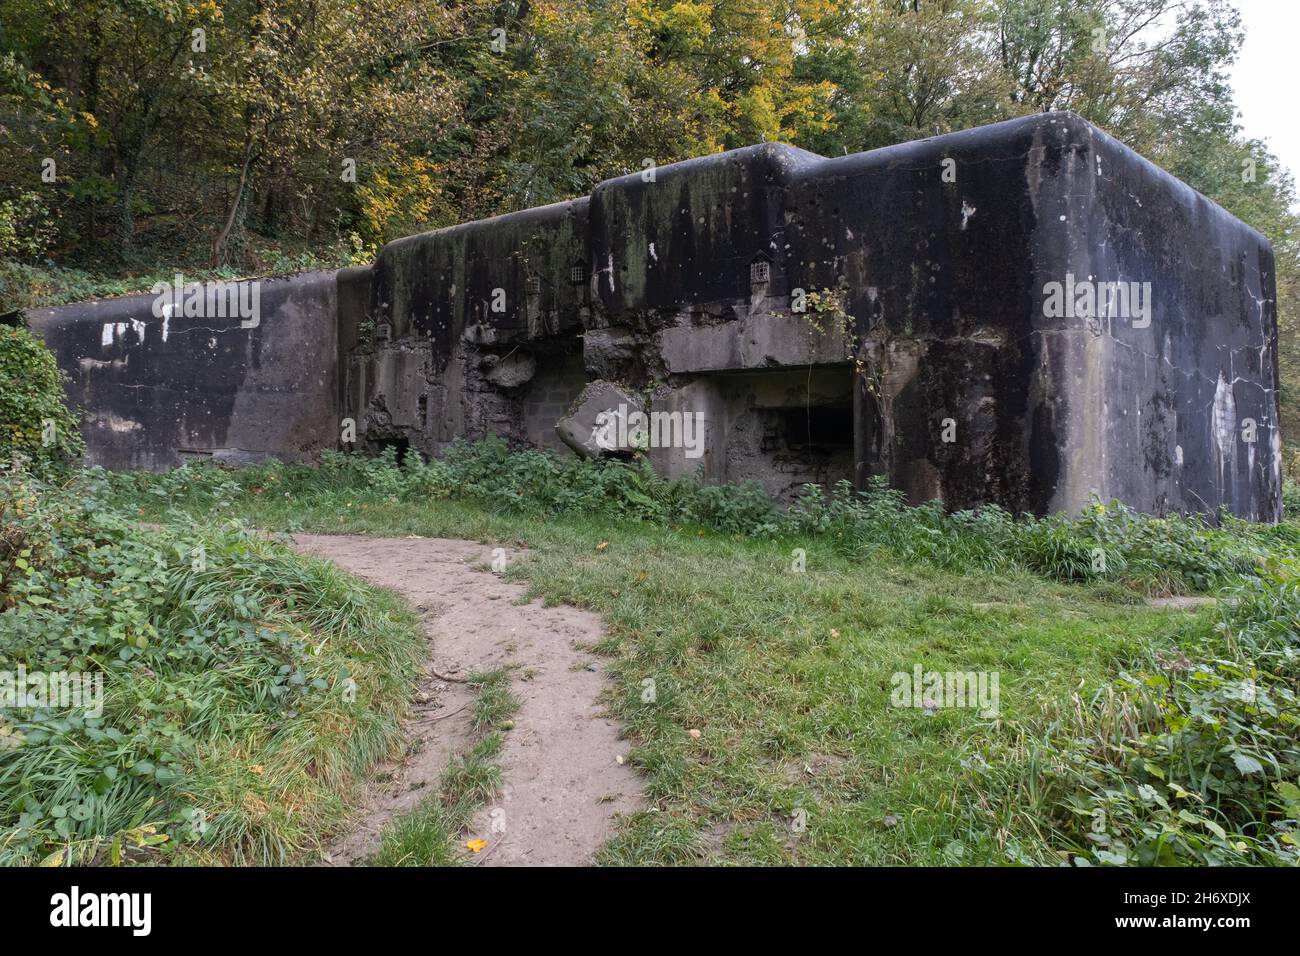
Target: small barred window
[760,270]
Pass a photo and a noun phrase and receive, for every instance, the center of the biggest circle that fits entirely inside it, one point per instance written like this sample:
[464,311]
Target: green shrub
[879,518]
[1193,758]
[1291,498]
[27,226]
[1190,756]
[736,509]
[34,421]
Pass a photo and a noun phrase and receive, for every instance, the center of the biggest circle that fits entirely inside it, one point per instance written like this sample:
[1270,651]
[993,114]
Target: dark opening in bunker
[812,444]
[559,378]
[818,430]
[789,429]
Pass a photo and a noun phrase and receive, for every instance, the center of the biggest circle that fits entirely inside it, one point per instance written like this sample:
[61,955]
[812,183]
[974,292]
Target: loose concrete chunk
[593,429]
[511,371]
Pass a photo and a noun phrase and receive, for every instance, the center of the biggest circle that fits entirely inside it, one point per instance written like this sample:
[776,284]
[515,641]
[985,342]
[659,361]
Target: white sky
[1264,77]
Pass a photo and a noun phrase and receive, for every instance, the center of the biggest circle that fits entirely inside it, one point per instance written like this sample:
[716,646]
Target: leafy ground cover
[770,642]
[245,689]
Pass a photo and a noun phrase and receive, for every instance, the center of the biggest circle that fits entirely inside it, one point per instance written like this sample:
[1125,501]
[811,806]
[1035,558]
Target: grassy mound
[244,687]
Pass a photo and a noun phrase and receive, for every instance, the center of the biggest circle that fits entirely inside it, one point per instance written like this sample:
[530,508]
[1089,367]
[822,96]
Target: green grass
[785,675]
[430,834]
[248,689]
[494,702]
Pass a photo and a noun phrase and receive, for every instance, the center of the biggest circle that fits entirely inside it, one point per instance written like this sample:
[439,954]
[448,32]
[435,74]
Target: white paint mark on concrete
[121,425]
[1225,422]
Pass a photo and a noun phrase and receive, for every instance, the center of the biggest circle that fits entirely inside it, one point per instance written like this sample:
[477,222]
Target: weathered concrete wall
[159,390]
[458,323]
[888,313]
[1180,414]
[923,270]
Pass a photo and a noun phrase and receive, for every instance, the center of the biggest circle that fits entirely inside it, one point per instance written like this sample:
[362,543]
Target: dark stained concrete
[157,391]
[887,313]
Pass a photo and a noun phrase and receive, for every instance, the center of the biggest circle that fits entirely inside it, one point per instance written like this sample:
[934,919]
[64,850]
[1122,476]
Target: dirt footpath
[562,782]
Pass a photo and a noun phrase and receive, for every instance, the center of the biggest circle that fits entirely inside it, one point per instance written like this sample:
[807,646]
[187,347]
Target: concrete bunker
[819,319]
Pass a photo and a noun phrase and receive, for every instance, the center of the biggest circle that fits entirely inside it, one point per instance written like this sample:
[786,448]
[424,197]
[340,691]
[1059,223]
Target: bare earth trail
[562,782]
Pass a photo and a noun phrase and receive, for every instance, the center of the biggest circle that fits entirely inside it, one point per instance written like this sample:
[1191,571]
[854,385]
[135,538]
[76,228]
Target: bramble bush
[1190,756]
[35,424]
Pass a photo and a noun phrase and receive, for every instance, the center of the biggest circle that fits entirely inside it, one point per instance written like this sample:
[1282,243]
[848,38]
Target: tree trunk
[221,244]
[125,219]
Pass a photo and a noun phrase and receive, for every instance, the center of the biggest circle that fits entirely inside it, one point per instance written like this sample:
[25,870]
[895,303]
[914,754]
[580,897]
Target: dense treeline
[256,135]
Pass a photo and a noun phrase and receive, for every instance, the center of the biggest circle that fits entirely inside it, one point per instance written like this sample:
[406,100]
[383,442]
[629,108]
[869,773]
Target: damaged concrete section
[1027,314]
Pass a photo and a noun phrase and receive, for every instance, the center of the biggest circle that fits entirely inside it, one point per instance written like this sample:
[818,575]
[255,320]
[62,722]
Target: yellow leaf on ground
[477,845]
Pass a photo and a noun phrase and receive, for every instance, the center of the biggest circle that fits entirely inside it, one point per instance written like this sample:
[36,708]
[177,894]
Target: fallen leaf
[602,546]
[694,733]
[258,769]
[476,845]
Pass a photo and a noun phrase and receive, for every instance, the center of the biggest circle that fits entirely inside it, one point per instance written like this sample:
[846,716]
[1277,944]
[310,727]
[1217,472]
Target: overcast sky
[1264,76]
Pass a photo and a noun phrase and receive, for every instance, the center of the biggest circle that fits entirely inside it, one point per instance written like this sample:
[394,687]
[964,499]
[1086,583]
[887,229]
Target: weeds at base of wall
[1105,543]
